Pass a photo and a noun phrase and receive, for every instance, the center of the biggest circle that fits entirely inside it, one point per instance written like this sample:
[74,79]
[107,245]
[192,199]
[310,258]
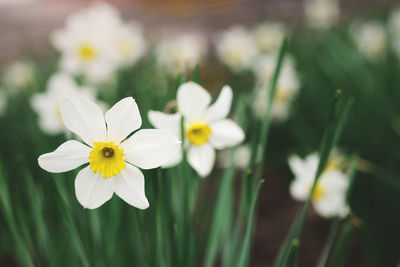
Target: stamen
[108,152]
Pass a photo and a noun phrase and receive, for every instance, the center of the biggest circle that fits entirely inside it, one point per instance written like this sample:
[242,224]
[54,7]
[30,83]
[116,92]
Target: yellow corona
[198,133]
[87,52]
[107,159]
[319,192]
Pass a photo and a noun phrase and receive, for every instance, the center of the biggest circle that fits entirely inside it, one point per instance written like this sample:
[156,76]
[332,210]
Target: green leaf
[263,138]
[21,245]
[329,243]
[343,244]
[245,251]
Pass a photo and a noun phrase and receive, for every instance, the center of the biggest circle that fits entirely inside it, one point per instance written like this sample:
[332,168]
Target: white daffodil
[242,157]
[206,127]
[329,197]
[47,104]
[287,87]
[129,44]
[236,48]
[180,53]
[269,36]
[113,158]
[322,14]
[370,39]
[85,43]
[19,76]
[95,42]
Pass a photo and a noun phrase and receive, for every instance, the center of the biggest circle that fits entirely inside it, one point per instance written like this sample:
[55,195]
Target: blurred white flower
[242,157]
[206,126]
[394,22]
[113,158]
[94,42]
[19,76]
[180,53]
[287,86]
[269,36]
[236,48]
[322,14]
[394,28]
[3,101]
[47,104]
[370,39]
[329,197]
[396,44]
[129,44]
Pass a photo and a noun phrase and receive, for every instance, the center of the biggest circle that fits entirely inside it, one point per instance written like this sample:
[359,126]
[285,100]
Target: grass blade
[329,244]
[245,251]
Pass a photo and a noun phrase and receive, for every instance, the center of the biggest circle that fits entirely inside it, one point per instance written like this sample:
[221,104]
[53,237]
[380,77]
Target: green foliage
[210,222]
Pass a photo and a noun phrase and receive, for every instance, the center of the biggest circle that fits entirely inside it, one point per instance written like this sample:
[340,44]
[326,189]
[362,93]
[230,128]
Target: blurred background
[29,22]
[325,60]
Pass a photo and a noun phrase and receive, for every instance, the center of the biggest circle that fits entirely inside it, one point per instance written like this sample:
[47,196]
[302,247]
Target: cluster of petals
[194,105]
[178,54]
[287,86]
[95,42]
[322,14]
[370,39]
[47,103]
[329,198]
[146,149]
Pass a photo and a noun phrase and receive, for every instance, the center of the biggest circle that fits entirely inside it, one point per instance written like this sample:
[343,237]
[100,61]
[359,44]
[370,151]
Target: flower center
[282,96]
[332,164]
[107,159]
[198,133]
[319,192]
[87,52]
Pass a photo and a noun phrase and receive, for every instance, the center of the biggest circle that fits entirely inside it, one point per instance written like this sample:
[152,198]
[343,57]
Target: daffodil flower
[47,106]
[329,197]
[113,157]
[206,127]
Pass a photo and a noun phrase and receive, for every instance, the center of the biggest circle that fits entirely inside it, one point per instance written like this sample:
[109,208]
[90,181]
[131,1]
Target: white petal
[66,157]
[84,118]
[91,189]
[202,159]
[168,122]
[331,206]
[220,109]
[150,148]
[122,119]
[193,100]
[225,133]
[173,161]
[299,190]
[298,167]
[129,185]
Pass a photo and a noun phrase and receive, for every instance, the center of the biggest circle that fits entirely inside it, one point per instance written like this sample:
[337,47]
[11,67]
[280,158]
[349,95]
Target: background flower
[321,14]
[47,104]
[269,36]
[95,43]
[370,39]
[329,197]
[177,54]
[236,48]
[287,86]
[19,76]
